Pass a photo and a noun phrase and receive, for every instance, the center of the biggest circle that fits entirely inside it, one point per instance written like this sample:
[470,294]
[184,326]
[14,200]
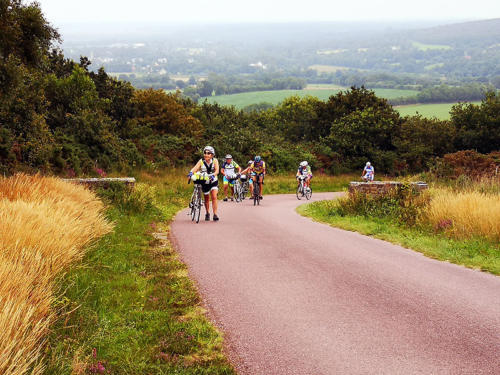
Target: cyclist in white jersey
[208,166]
[229,169]
[368,172]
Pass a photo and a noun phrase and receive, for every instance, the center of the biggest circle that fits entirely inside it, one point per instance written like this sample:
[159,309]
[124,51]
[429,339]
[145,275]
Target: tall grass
[45,223]
[465,214]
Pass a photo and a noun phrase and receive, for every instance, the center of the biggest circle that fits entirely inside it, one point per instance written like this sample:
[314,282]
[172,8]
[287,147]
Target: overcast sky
[61,12]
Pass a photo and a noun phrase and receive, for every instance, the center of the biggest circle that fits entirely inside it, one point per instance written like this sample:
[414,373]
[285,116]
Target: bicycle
[244,187]
[256,191]
[302,189]
[195,203]
[237,189]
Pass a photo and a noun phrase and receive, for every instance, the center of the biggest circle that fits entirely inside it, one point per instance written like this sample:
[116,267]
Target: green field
[425,47]
[440,111]
[274,97]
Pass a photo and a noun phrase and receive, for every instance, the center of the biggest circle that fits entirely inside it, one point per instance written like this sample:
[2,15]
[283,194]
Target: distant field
[274,97]
[328,68]
[440,111]
[324,86]
[425,47]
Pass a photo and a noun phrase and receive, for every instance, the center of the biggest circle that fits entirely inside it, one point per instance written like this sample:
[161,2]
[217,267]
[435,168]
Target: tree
[298,118]
[24,32]
[420,140]
[478,127]
[365,135]
[165,113]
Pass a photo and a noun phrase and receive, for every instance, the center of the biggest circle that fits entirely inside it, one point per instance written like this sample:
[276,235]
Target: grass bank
[130,308]
[440,238]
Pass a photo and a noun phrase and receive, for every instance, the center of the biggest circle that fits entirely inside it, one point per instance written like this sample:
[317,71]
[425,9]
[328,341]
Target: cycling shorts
[258,176]
[230,182]
[207,188]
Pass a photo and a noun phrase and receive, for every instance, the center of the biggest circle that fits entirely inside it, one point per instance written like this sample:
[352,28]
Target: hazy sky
[208,11]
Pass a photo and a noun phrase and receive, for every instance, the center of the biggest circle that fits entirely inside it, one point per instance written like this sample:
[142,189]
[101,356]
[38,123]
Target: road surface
[293,296]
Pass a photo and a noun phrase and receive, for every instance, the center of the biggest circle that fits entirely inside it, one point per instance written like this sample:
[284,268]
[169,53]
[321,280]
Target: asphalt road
[293,296]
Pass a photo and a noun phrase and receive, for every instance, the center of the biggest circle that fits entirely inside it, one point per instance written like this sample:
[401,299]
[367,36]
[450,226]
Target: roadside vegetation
[46,225]
[130,306]
[456,220]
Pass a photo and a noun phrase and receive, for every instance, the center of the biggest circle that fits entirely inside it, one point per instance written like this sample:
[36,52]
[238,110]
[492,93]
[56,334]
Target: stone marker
[382,187]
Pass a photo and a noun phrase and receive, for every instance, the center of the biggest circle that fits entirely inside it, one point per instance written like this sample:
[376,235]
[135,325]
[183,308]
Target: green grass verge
[242,100]
[130,306]
[440,111]
[475,253]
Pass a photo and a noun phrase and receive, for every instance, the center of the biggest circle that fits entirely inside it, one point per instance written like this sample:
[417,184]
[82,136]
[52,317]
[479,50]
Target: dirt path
[297,297]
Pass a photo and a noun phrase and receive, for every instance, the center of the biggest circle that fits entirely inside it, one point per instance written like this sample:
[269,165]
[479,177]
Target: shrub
[404,204]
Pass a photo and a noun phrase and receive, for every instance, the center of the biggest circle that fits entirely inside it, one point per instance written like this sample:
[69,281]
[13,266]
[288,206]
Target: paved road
[297,297]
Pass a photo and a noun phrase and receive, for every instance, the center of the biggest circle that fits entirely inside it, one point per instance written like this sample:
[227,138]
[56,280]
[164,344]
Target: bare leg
[261,180]
[225,190]
[207,202]
[213,193]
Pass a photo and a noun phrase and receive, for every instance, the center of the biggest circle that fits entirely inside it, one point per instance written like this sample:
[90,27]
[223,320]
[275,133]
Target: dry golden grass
[45,224]
[465,214]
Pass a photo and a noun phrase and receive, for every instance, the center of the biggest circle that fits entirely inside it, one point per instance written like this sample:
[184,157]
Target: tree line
[447,94]
[57,116]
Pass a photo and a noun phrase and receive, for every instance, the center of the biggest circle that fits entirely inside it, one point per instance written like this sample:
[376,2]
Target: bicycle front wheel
[237,192]
[196,210]
[309,193]
[299,192]
[193,206]
[256,194]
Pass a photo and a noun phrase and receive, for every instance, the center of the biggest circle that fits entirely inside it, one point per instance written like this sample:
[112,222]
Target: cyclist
[228,170]
[368,172]
[257,170]
[208,166]
[305,170]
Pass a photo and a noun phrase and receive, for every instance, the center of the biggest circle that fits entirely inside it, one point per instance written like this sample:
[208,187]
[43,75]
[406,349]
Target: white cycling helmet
[228,156]
[250,162]
[368,164]
[209,149]
[303,164]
